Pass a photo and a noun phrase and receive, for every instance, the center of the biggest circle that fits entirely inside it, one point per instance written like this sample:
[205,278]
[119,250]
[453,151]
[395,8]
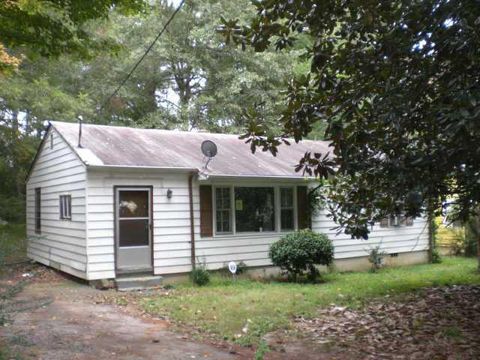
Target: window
[38,210]
[65,207]
[51,141]
[254,209]
[396,220]
[223,209]
[286,209]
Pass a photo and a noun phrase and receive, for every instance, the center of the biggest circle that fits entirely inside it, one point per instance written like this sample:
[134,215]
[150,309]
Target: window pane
[254,209]
[286,197]
[133,203]
[38,210]
[222,200]
[133,233]
[287,219]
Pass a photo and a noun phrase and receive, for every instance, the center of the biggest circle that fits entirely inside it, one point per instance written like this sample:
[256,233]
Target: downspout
[192,224]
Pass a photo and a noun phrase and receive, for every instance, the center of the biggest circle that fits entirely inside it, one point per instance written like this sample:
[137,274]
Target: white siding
[62,243]
[171,219]
[391,240]
[171,244]
[253,248]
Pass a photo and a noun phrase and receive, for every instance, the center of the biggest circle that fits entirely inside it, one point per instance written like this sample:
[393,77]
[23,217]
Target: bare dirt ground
[54,317]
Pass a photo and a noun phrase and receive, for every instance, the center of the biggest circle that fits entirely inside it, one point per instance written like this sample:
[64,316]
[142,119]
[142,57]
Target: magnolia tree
[398,83]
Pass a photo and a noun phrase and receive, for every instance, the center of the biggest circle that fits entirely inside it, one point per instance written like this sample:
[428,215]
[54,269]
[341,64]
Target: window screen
[223,209]
[254,209]
[65,207]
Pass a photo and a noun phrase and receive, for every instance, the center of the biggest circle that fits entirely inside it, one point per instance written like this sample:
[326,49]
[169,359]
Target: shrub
[300,251]
[200,275]
[375,257]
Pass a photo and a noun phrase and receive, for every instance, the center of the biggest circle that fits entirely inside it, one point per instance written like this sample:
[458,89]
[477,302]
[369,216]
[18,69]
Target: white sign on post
[232,267]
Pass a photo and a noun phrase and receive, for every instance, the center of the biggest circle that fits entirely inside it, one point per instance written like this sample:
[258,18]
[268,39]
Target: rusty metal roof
[133,147]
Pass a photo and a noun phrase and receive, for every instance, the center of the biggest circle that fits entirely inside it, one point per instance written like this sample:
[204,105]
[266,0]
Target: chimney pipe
[80,131]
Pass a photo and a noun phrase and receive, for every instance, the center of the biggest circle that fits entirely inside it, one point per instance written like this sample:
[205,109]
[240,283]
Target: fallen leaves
[436,323]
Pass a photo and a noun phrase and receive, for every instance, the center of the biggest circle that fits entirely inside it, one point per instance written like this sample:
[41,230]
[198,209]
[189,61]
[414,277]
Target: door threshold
[134,272]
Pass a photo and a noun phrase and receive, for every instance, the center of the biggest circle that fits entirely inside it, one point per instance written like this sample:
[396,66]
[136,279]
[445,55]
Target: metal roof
[115,146]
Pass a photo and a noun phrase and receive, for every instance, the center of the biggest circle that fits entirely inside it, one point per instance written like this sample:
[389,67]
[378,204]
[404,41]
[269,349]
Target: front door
[133,229]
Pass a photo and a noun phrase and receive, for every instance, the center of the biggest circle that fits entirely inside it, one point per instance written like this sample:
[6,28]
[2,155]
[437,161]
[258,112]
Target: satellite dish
[209,149]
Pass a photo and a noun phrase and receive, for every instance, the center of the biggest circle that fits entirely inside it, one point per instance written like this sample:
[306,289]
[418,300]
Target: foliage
[375,257]
[436,258]
[224,307]
[397,83]
[472,234]
[200,275]
[301,251]
[13,244]
[52,28]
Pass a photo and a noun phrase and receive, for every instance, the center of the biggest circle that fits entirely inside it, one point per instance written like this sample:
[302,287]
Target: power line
[143,56]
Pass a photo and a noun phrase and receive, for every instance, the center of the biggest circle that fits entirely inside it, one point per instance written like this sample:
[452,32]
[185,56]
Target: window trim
[277,209]
[65,207]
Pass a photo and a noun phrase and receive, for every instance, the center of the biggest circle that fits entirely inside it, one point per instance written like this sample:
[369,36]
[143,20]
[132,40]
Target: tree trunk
[431,237]
[478,252]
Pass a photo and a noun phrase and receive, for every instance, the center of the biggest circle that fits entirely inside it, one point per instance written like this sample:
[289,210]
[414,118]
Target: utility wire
[143,56]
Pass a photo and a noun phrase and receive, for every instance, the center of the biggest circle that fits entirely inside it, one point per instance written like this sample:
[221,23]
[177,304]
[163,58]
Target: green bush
[200,275]
[300,251]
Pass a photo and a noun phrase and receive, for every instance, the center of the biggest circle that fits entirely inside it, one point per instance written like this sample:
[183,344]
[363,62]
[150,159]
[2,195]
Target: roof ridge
[171,131]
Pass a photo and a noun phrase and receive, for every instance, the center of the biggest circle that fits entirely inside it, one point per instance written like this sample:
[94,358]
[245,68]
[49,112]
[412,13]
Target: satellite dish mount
[209,149]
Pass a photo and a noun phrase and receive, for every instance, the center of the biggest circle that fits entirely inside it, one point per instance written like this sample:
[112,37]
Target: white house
[136,200]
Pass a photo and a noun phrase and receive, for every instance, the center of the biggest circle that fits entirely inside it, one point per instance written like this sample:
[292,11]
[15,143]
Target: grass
[12,243]
[245,310]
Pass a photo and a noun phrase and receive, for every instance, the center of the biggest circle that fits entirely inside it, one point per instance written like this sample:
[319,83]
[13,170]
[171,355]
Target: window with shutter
[206,211]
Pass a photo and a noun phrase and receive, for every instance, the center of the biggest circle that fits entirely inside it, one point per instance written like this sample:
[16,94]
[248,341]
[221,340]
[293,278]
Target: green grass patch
[245,310]
[13,244]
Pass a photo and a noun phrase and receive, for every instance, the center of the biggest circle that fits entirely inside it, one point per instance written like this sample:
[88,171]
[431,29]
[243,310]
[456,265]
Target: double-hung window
[286,209]
[66,207]
[223,210]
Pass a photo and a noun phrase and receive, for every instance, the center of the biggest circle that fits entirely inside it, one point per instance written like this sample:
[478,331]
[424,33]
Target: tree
[398,83]
[53,27]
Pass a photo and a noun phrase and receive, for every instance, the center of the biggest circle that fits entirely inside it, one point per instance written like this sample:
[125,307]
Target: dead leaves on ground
[435,323]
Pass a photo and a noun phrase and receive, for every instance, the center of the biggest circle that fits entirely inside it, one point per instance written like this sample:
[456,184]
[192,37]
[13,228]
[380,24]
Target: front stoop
[134,283]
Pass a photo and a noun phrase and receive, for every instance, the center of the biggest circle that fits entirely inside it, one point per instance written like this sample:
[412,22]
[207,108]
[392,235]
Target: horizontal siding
[172,230]
[170,217]
[62,243]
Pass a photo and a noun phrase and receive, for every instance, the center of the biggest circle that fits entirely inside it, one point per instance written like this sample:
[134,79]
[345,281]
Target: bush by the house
[200,275]
[299,253]
[375,257]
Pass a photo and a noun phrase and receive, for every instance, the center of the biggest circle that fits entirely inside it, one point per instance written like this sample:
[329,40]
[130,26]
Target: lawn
[12,243]
[245,310]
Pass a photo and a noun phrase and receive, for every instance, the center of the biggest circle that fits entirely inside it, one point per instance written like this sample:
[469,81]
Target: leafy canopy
[53,27]
[398,83]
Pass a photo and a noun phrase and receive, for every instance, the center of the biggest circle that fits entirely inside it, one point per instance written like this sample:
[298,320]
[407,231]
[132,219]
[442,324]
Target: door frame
[116,189]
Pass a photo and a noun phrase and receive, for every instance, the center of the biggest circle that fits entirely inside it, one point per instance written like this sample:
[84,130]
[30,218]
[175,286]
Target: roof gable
[133,147]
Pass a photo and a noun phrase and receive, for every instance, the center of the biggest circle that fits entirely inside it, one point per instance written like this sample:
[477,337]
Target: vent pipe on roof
[80,131]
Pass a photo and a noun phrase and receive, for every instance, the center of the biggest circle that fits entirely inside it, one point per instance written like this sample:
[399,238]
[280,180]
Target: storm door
[133,229]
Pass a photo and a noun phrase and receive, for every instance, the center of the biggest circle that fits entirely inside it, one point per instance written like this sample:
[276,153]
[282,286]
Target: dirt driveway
[57,318]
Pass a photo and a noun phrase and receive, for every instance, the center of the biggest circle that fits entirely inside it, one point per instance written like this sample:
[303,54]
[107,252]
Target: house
[138,200]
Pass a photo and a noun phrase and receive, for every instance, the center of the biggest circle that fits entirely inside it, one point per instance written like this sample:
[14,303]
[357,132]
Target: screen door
[133,229]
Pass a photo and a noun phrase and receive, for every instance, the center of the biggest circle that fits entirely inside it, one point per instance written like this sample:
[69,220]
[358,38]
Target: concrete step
[133,283]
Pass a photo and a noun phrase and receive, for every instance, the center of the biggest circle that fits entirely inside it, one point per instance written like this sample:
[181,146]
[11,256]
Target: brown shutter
[303,211]
[206,211]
